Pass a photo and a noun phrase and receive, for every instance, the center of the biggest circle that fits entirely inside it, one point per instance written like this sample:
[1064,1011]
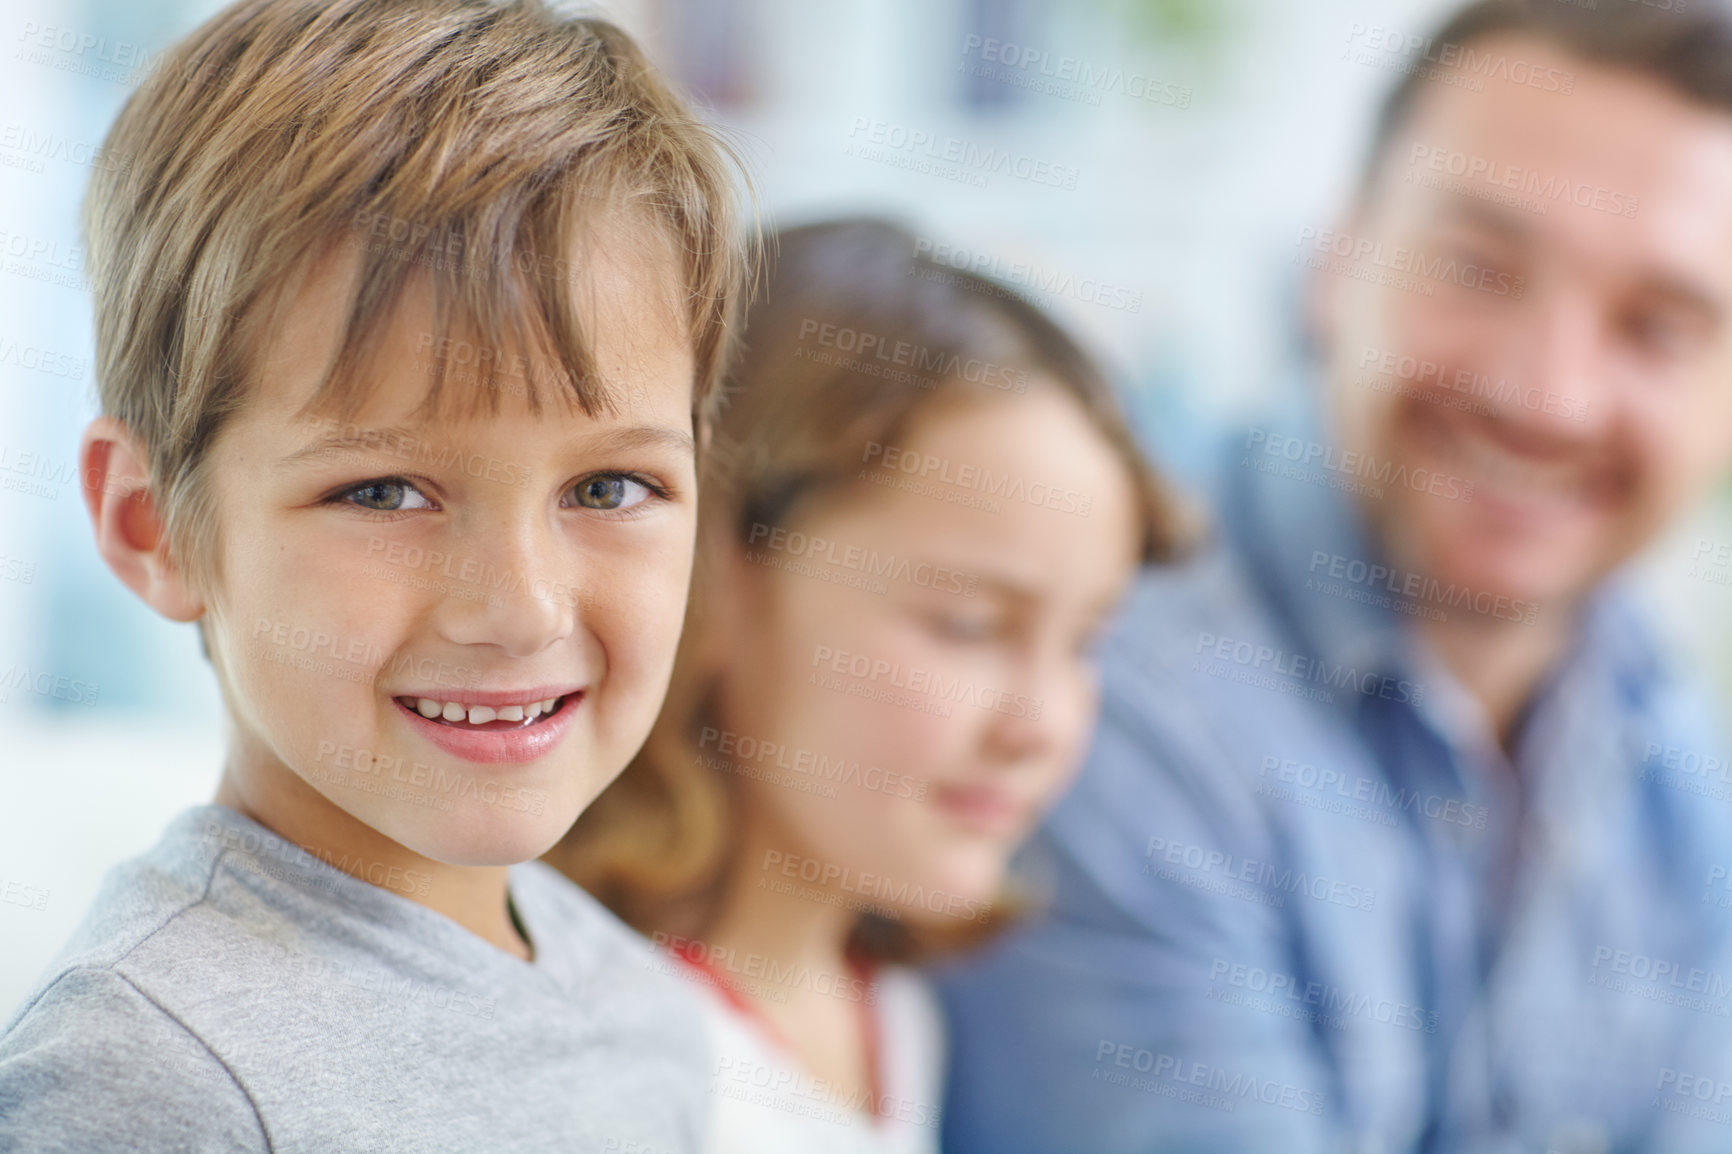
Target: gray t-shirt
[230,992]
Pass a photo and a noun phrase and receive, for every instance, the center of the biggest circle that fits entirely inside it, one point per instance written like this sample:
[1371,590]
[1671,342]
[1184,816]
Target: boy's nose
[526,598]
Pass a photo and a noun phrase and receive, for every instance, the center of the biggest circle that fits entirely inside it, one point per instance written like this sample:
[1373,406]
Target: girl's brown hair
[854,336]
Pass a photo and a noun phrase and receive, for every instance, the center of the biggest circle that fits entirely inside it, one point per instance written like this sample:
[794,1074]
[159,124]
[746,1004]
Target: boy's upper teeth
[482,714]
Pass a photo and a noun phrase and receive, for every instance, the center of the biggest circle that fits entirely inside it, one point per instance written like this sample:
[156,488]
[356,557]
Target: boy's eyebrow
[353,438]
[646,436]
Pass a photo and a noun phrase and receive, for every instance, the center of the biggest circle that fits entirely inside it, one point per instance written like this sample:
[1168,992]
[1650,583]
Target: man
[1396,835]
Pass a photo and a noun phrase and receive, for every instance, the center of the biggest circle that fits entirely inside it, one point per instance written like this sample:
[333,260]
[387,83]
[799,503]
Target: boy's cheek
[306,675]
[637,615]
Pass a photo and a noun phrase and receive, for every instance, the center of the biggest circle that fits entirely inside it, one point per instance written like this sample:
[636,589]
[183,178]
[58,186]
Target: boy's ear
[129,531]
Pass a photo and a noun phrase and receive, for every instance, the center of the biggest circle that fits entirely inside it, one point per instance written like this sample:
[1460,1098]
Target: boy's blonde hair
[465,142]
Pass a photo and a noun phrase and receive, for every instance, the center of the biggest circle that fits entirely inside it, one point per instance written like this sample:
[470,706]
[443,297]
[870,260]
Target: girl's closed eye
[1089,642]
[963,627]
[615,492]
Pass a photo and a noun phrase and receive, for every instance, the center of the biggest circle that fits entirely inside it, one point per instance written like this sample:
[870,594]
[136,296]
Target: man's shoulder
[1175,608]
[1675,735]
[1205,697]
[1199,668]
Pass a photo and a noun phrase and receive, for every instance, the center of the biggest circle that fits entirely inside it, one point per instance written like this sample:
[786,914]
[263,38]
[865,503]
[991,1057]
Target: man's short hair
[1686,47]
[468,143]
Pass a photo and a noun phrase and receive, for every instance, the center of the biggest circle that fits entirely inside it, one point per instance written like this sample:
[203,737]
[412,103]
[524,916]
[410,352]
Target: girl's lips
[497,742]
[983,809]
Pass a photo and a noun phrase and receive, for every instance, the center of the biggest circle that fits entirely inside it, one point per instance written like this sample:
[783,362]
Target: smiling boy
[326,204]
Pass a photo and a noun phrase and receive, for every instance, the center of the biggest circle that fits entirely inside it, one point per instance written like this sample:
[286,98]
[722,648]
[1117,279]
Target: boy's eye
[386,495]
[609,491]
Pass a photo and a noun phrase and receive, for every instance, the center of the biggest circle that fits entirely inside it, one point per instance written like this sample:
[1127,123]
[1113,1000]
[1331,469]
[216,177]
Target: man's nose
[1558,376]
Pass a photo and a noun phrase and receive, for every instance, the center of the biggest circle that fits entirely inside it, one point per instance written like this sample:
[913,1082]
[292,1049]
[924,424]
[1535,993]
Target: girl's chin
[971,882]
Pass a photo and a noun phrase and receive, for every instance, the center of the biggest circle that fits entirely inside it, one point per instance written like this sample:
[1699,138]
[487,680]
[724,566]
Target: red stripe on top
[692,954]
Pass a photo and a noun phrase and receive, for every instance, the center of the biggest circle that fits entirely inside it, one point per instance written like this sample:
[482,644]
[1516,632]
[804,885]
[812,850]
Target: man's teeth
[481,714]
[1503,471]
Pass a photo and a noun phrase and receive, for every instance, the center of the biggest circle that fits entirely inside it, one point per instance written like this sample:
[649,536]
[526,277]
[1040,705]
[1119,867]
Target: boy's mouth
[487,718]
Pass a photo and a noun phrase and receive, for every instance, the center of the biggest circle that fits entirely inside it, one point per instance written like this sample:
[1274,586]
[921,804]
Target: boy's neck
[475,897]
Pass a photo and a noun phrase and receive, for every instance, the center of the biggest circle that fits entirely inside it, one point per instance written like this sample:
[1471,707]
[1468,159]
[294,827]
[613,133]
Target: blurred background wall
[1172,151]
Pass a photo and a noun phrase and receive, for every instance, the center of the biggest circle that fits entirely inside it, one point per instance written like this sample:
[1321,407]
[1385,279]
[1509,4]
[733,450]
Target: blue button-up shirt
[1301,900]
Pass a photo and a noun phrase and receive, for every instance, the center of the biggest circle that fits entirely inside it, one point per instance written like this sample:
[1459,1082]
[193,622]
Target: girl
[920,508]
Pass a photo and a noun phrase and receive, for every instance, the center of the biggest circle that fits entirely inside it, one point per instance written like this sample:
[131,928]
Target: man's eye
[609,491]
[1471,252]
[1470,257]
[1659,333]
[387,495]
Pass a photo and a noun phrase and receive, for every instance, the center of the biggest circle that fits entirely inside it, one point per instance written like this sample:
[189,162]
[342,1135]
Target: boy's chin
[482,840]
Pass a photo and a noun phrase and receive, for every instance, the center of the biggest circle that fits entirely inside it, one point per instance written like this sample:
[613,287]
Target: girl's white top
[763,1101]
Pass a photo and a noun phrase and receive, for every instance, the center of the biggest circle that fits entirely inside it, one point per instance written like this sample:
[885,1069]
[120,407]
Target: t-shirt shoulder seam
[258,1119]
[111,966]
[110,971]
[209,881]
